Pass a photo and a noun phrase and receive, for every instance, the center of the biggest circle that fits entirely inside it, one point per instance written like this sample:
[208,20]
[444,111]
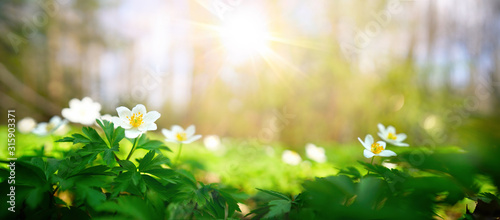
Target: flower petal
[74,103]
[383,144]
[382,135]
[151,117]
[400,137]
[190,131]
[67,114]
[387,153]
[132,133]
[176,128]
[122,123]
[363,143]
[400,144]
[165,132]
[368,154]
[381,127]
[123,112]
[139,108]
[148,127]
[171,140]
[170,135]
[369,140]
[55,120]
[192,139]
[391,129]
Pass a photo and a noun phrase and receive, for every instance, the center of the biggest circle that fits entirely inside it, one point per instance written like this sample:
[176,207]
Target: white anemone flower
[83,111]
[178,135]
[55,124]
[291,157]
[315,153]
[375,149]
[212,142]
[137,121]
[26,125]
[389,135]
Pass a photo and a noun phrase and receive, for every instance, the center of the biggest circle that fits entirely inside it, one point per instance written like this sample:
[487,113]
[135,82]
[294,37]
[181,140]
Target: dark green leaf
[278,208]
[128,165]
[146,160]
[275,194]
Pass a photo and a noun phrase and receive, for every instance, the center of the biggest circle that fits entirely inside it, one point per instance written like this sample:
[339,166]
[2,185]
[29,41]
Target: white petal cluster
[55,124]
[83,111]
[136,121]
[375,149]
[26,125]
[315,153]
[291,157]
[178,135]
[389,135]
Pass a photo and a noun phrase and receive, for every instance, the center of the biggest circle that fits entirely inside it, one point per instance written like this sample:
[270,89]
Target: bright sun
[243,37]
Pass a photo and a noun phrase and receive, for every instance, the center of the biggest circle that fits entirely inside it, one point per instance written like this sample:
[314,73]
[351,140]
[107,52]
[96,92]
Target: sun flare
[244,37]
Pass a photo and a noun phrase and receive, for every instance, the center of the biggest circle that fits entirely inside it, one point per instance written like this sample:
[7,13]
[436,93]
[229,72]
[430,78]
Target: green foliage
[92,182]
[383,193]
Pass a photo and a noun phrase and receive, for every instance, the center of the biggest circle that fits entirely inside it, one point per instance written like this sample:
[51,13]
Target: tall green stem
[371,163]
[178,154]
[133,147]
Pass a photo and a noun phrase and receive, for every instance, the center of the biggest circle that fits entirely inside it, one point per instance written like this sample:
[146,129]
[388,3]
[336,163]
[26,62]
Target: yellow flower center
[377,148]
[136,119]
[181,136]
[391,136]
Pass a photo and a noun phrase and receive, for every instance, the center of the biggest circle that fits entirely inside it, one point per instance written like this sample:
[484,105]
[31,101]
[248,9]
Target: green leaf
[114,136]
[146,160]
[95,147]
[164,174]
[130,207]
[154,184]
[90,195]
[152,145]
[92,134]
[351,171]
[188,176]
[278,208]
[66,139]
[78,138]
[128,165]
[108,155]
[275,194]
[95,170]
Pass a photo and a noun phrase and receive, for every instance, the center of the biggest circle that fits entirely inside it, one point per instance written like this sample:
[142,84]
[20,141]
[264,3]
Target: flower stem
[133,147]
[371,163]
[178,154]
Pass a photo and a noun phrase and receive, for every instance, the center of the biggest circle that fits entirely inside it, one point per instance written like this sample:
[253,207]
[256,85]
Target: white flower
[178,135]
[137,121]
[211,142]
[315,153]
[26,125]
[375,149]
[55,124]
[291,157]
[389,135]
[84,112]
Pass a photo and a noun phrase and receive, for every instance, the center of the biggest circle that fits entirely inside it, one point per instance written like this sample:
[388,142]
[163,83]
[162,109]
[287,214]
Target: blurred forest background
[286,70]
